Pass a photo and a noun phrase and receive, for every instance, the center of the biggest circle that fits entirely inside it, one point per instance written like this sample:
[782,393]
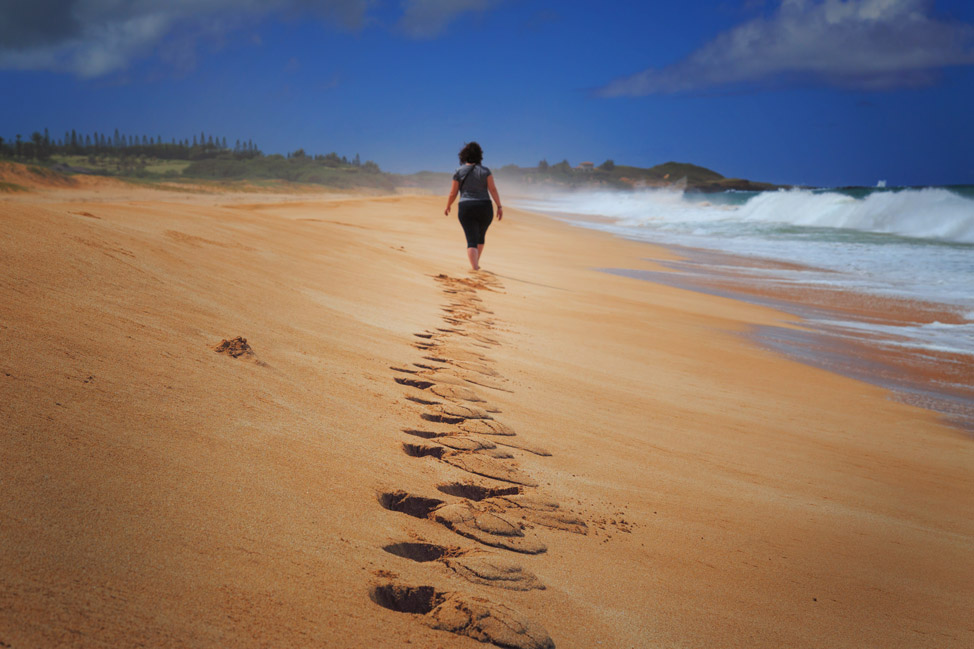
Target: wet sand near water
[939,380]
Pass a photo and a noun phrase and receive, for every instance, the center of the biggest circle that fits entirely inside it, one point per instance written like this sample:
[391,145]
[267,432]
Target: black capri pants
[475,217]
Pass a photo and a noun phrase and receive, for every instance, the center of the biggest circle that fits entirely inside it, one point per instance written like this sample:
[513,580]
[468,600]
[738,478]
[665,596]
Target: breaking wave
[931,213]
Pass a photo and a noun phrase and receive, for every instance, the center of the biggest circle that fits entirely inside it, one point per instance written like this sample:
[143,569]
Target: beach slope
[265,420]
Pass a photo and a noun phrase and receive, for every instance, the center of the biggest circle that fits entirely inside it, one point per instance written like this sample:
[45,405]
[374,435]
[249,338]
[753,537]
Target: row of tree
[210,156]
[333,160]
[41,146]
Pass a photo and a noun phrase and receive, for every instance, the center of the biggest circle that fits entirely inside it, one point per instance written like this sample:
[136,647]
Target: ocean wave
[931,213]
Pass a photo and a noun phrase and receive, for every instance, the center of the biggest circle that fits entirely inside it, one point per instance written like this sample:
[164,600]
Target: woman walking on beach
[475,184]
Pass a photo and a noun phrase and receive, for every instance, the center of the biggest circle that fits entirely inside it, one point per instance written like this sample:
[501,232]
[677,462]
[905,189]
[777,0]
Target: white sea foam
[933,336]
[931,213]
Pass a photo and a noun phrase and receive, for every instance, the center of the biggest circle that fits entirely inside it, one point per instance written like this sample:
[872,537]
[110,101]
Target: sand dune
[390,450]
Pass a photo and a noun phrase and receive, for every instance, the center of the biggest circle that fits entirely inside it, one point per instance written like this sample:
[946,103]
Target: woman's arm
[453,196]
[492,188]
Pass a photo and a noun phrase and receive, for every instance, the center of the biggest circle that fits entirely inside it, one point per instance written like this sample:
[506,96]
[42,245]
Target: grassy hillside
[123,166]
[297,169]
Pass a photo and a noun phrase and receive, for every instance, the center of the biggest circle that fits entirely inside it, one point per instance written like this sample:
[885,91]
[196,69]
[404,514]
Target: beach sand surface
[667,483]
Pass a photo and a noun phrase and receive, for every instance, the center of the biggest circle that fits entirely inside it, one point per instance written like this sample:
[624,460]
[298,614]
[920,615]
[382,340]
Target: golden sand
[542,454]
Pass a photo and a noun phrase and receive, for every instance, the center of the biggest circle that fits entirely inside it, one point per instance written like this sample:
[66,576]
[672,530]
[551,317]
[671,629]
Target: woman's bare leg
[473,254]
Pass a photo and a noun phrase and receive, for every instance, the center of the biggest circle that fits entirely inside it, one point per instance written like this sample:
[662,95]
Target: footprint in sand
[488,467]
[430,374]
[454,413]
[460,284]
[482,278]
[486,427]
[487,340]
[484,339]
[442,374]
[425,402]
[489,571]
[426,434]
[415,506]
[466,519]
[466,308]
[470,443]
[475,427]
[478,523]
[464,443]
[454,354]
[482,323]
[457,393]
[525,446]
[452,392]
[487,464]
[484,382]
[478,368]
[512,500]
[476,492]
[415,383]
[461,614]
[540,511]
[476,568]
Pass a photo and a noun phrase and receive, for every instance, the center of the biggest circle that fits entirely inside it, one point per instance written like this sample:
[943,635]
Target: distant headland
[610,175]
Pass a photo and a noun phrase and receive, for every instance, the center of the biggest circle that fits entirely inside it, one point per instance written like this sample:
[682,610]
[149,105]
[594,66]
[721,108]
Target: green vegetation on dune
[10,188]
[113,165]
[328,170]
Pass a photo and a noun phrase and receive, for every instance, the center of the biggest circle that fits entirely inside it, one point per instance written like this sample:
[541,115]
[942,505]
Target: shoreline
[937,380]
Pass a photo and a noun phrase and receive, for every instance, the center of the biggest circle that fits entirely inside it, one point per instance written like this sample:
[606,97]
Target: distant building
[586,166]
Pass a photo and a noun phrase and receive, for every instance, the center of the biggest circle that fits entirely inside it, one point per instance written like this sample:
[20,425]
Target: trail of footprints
[496,509]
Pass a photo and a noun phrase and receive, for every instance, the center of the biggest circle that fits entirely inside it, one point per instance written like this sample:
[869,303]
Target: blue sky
[823,92]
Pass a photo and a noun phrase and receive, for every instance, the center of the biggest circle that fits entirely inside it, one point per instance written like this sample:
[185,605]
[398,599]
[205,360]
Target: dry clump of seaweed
[235,348]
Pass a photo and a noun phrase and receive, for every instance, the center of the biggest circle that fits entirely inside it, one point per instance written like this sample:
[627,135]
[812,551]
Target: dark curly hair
[471,152]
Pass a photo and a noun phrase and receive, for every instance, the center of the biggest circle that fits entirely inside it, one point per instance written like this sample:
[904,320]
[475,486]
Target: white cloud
[91,38]
[861,44]
[428,18]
